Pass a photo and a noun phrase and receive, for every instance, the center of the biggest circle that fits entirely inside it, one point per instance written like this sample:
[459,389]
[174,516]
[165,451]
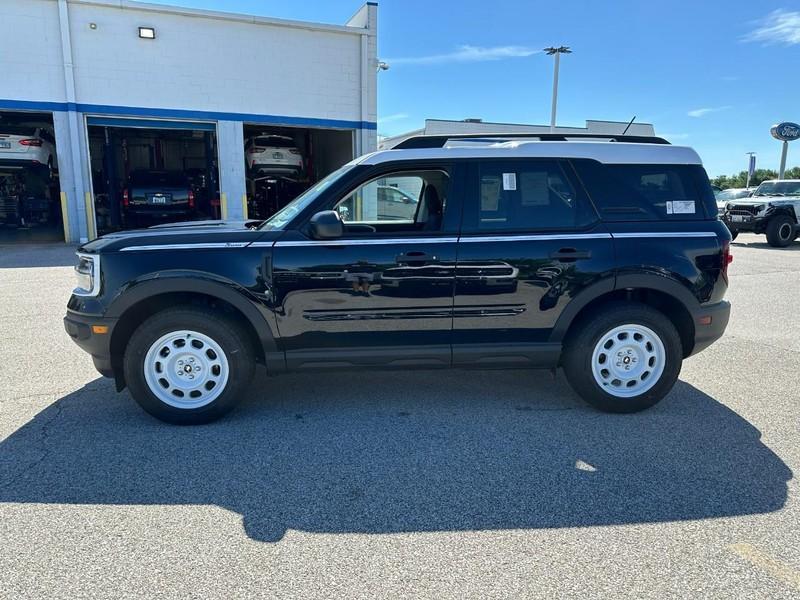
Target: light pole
[557,52]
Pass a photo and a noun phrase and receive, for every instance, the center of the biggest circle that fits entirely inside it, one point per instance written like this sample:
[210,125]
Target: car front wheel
[188,365]
[624,359]
[780,231]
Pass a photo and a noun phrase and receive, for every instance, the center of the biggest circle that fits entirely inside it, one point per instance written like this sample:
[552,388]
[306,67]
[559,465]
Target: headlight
[87,272]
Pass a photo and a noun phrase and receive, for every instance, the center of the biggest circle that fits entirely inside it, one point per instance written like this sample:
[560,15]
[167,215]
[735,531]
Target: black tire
[780,231]
[225,331]
[586,334]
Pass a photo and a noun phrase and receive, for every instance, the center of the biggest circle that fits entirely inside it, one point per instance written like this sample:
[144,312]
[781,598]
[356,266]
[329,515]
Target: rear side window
[648,192]
[527,195]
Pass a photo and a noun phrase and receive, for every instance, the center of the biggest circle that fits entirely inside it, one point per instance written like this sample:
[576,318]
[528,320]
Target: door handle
[570,254]
[415,257]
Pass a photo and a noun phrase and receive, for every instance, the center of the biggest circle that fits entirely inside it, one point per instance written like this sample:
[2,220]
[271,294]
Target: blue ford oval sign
[786,132]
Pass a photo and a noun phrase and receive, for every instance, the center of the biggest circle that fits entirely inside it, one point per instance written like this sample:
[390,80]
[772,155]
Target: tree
[740,180]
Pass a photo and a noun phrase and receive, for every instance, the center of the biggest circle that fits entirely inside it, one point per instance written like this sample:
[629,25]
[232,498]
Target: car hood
[753,200]
[182,235]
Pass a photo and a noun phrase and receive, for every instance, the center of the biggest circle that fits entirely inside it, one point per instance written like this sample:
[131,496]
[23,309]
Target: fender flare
[651,281]
[166,282]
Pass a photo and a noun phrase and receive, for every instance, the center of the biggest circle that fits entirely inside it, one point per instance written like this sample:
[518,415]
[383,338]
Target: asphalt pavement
[437,484]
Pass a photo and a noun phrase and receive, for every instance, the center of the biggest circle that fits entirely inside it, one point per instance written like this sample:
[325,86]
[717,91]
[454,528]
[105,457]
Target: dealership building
[126,87]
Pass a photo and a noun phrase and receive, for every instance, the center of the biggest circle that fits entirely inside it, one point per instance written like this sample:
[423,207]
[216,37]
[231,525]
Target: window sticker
[683,207]
[509,182]
[534,189]
[490,193]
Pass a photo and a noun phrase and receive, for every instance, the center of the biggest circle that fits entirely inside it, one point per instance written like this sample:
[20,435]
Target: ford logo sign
[786,132]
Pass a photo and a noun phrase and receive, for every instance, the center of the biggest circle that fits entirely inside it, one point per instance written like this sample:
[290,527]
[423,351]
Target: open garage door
[146,172]
[282,162]
[30,206]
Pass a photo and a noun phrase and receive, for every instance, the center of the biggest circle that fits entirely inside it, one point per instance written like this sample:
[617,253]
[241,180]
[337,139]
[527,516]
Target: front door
[383,293]
[530,242]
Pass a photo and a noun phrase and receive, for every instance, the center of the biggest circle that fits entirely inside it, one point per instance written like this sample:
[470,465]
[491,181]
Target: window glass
[414,199]
[646,192]
[529,195]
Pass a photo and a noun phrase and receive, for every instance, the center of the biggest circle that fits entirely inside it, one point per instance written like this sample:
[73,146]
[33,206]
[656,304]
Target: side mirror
[326,225]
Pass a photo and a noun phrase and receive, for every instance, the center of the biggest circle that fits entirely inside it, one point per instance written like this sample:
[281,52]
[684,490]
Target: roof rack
[439,141]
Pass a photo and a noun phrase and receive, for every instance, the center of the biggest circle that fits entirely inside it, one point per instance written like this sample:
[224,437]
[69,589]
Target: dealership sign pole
[751,168]
[785,132]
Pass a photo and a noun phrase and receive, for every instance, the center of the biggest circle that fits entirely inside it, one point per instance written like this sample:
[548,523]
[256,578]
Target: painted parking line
[773,566]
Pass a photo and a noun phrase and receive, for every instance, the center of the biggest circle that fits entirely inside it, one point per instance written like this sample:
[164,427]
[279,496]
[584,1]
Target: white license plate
[277,155]
[737,218]
[158,200]
[5,144]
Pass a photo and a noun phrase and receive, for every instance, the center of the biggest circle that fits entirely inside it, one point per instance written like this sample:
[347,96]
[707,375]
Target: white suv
[268,153]
[27,145]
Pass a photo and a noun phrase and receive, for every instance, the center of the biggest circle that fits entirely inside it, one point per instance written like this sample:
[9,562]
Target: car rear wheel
[780,231]
[188,365]
[624,359]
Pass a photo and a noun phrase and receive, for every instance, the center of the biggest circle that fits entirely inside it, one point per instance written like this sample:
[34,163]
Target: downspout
[72,119]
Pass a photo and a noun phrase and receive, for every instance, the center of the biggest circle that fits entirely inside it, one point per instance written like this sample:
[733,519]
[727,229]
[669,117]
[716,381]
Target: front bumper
[80,328]
[740,222]
[709,325]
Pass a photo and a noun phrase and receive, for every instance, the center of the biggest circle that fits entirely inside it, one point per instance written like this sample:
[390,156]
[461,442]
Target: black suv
[604,257]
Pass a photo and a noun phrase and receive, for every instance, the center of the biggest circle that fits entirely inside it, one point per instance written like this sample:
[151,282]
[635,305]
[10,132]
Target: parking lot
[403,484]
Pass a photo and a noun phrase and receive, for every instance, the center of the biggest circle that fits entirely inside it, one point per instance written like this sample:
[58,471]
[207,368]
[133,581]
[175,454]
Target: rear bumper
[18,160]
[98,345]
[709,325]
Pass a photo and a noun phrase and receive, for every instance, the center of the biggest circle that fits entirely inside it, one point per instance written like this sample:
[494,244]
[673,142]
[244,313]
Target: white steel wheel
[186,369]
[628,360]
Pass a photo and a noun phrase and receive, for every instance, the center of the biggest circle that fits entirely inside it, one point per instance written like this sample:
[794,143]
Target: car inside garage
[149,172]
[30,207]
[282,162]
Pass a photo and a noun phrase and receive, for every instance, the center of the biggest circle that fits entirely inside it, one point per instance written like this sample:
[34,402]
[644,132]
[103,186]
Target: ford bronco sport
[602,256]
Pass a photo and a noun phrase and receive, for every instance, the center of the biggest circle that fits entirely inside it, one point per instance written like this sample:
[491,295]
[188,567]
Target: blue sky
[713,74]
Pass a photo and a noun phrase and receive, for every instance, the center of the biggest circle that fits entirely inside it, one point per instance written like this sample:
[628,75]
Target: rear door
[530,242]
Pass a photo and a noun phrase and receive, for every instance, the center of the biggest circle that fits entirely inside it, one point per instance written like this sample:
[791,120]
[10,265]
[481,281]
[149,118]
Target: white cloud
[778,27]
[394,117]
[467,54]
[702,112]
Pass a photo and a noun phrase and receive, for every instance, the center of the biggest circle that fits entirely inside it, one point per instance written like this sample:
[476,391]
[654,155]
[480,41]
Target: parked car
[157,195]
[773,209]
[273,154]
[725,196]
[26,145]
[507,262]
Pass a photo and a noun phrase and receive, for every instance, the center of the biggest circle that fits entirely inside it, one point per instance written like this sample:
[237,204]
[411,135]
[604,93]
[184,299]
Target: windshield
[287,213]
[733,194]
[778,188]
[274,142]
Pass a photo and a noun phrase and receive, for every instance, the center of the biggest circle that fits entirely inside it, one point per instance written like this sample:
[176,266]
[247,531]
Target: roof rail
[439,141]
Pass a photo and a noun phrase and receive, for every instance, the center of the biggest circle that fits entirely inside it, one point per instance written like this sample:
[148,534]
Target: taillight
[31,142]
[256,150]
[191,199]
[125,199]
[727,258]
[294,151]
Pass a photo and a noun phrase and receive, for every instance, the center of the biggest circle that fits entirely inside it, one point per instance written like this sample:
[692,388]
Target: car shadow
[21,256]
[794,246]
[399,452]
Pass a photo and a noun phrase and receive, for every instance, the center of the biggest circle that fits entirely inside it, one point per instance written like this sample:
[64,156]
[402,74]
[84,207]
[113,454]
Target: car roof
[779,180]
[604,152]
